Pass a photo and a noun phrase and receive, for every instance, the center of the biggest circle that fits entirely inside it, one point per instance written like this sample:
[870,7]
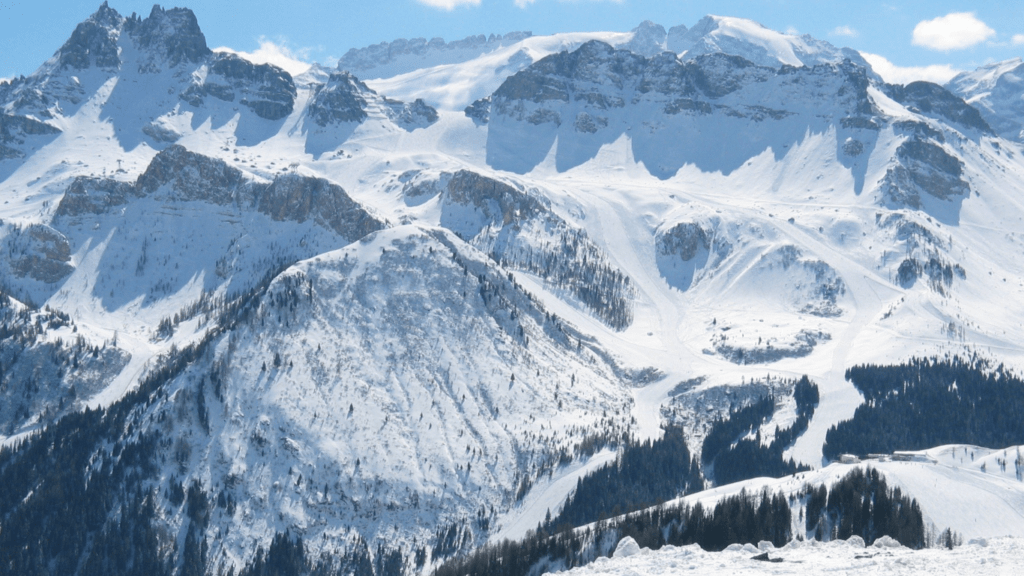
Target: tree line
[930,402]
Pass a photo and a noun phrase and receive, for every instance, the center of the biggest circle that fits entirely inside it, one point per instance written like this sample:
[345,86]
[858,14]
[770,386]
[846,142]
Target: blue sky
[927,39]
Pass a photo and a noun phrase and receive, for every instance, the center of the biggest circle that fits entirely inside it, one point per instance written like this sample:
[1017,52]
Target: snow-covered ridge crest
[400,56]
[997,91]
[758,44]
[457,81]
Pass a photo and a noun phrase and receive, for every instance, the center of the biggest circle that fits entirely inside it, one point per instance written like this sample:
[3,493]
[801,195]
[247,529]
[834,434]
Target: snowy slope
[386,389]
[453,86]
[991,556]
[401,56]
[996,90]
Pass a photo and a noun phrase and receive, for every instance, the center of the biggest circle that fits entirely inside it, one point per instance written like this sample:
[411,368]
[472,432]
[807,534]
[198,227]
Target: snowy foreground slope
[984,556]
[412,325]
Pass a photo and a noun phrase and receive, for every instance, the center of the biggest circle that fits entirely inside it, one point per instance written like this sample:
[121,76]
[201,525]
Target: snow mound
[626,547]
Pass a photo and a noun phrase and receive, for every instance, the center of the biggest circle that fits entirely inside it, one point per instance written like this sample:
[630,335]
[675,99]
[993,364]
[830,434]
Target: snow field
[997,556]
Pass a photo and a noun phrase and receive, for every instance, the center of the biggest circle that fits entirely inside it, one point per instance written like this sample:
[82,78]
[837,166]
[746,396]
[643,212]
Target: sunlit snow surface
[997,556]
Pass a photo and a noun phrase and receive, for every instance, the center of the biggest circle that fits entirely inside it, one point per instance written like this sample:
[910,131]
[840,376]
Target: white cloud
[792,31]
[845,31]
[294,62]
[449,4]
[1018,39]
[893,74]
[524,3]
[954,31]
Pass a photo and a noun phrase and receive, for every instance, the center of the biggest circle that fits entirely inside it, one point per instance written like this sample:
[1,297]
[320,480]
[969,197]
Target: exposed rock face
[165,39]
[94,42]
[186,176]
[41,253]
[480,111]
[88,195]
[340,100]
[689,250]
[192,176]
[519,230]
[417,114]
[593,95]
[346,99]
[171,34]
[919,130]
[266,89]
[605,79]
[499,203]
[299,198]
[13,127]
[14,130]
[675,38]
[923,166]
[934,100]
[926,250]
[684,240]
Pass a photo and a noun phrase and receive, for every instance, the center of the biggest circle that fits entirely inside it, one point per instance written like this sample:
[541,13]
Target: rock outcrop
[344,98]
[264,88]
[184,176]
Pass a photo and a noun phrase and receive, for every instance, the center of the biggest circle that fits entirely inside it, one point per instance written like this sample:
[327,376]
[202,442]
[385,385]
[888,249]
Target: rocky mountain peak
[344,98]
[266,89]
[339,100]
[648,39]
[191,176]
[755,42]
[173,34]
[997,92]
[934,100]
[107,16]
[94,41]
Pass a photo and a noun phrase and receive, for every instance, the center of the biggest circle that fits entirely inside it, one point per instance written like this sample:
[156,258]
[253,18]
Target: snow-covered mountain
[757,44]
[997,91]
[402,328]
